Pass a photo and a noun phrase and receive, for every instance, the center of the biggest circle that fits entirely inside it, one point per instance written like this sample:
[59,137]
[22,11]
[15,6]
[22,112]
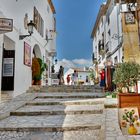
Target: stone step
[71,95]
[65,88]
[43,135]
[52,123]
[65,101]
[74,94]
[58,110]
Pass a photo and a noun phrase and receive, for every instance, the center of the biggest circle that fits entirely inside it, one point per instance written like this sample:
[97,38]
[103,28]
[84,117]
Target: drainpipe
[138,16]
[119,28]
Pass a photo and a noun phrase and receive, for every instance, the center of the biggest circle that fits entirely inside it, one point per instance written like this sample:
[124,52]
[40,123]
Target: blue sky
[75,20]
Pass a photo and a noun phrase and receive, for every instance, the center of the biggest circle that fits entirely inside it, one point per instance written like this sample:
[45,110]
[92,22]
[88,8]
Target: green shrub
[126,74]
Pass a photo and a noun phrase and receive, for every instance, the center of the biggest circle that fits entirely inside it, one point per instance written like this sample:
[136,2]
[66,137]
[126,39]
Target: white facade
[17,10]
[109,24]
[113,34]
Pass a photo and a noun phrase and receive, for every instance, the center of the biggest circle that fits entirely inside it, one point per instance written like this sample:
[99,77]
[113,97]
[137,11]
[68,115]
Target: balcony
[101,49]
[108,48]
[94,59]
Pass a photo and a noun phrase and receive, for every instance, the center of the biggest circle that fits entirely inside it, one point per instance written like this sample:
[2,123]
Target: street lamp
[30,25]
[55,61]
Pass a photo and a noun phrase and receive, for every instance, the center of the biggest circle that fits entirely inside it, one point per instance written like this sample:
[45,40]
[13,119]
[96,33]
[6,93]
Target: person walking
[75,74]
[68,79]
[61,75]
[102,79]
[87,80]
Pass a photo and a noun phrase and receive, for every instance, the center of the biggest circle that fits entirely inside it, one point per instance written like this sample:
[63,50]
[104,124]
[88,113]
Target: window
[54,24]
[98,30]
[109,32]
[102,22]
[48,9]
[116,60]
[39,23]
[108,20]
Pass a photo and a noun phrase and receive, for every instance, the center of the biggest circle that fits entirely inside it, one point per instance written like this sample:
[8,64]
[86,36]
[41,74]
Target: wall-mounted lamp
[30,25]
[55,61]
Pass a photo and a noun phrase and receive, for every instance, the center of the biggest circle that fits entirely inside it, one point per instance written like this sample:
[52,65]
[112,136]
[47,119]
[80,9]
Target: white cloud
[82,62]
[75,63]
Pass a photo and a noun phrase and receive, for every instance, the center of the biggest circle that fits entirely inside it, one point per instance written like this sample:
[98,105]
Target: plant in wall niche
[131,118]
[126,75]
[43,66]
[38,67]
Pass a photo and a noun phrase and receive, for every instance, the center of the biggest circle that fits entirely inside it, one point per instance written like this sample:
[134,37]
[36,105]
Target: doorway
[8,65]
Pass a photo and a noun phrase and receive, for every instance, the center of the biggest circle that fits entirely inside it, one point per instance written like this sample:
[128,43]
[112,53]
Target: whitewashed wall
[16,10]
[98,37]
[1,50]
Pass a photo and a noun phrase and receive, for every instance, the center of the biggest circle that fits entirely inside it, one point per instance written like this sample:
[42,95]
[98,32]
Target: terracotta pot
[124,90]
[39,82]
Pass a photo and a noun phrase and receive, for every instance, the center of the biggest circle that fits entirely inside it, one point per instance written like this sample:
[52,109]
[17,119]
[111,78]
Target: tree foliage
[126,74]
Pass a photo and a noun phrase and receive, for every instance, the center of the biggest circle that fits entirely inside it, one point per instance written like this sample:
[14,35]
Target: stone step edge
[111,106]
[65,103]
[61,97]
[53,129]
[37,113]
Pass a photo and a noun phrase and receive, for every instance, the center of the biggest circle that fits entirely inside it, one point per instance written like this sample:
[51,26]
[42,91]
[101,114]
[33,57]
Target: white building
[82,74]
[116,36]
[114,30]
[107,34]
[16,54]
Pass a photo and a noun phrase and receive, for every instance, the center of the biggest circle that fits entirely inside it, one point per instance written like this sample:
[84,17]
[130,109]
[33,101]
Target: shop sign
[55,81]
[6,25]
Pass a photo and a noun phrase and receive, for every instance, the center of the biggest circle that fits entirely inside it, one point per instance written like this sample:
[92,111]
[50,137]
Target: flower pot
[132,130]
[124,90]
[39,82]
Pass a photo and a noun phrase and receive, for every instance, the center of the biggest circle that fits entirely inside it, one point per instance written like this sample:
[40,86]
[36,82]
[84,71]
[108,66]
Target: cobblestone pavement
[60,116]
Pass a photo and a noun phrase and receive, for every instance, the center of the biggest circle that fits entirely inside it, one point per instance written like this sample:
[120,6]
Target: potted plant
[38,67]
[130,121]
[92,76]
[125,76]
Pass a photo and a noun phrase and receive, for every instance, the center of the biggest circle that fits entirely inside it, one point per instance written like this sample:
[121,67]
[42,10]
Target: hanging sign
[6,25]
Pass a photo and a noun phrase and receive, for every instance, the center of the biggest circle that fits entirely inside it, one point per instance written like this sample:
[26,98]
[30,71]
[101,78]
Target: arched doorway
[36,52]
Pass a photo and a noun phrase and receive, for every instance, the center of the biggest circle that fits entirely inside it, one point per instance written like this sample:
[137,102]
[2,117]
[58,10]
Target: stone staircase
[66,88]
[56,116]
[5,97]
